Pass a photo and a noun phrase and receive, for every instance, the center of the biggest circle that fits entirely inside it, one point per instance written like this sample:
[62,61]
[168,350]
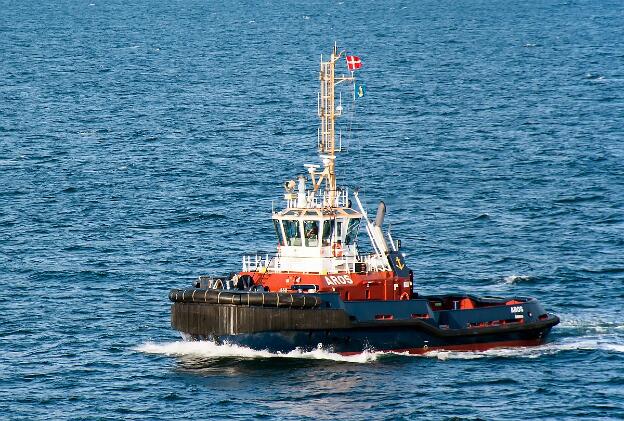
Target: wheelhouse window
[328,229]
[311,231]
[352,231]
[293,235]
[338,230]
[278,232]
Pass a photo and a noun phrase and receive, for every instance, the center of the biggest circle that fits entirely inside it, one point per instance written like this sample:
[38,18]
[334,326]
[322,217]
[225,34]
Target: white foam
[592,333]
[514,279]
[207,349]
[591,325]
[575,344]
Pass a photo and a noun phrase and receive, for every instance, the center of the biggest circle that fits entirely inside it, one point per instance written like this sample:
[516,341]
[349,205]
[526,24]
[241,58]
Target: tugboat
[319,290]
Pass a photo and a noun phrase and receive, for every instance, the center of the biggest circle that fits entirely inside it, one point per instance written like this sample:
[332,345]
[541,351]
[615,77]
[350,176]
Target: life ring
[404,296]
[337,250]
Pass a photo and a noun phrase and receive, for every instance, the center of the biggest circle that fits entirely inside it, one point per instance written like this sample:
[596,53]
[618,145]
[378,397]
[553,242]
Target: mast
[328,113]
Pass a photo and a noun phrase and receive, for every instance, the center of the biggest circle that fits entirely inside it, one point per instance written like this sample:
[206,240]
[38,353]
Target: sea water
[145,143]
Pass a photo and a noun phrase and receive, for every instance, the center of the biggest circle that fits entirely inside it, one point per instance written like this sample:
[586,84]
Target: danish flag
[353,63]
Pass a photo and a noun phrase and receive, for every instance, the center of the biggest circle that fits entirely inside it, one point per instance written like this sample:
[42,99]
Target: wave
[577,344]
[482,217]
[579,199]
[593,325]
[514,279]
[207,349]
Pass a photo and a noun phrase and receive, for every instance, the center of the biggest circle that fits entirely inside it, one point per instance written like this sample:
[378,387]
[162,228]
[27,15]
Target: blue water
[142,145]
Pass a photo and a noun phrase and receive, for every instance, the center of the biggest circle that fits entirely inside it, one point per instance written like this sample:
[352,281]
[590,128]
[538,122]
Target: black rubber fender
[263,299]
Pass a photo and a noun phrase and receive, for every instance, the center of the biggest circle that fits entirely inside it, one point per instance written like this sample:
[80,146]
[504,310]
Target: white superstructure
[318,228]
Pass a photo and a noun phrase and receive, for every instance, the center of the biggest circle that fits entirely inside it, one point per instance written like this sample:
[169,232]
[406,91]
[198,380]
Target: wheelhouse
[313,228]
[310,239]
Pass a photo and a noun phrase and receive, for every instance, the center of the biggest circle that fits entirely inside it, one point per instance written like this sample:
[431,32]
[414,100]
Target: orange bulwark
[351,286]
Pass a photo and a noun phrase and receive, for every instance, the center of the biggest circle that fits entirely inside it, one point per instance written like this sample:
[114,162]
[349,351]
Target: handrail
[322,199]
[373,262]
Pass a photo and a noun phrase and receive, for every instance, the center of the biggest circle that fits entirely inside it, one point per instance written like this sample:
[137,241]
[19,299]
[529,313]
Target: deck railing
[321,199]
[273,263]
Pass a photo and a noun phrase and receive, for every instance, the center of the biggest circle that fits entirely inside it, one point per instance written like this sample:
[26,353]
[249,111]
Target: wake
[207,349]
[577,344]
[572,335]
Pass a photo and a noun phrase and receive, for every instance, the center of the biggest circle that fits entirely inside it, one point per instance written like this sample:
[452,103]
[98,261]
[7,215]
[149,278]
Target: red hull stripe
[465,347]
